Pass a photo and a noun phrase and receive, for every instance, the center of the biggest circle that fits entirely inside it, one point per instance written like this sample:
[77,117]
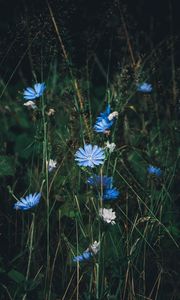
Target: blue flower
[154,170]
[105,120]
[104,115]
[88,253]
[96,180]
[90,156]
[110,194]
[33,93]
[144,87]
[85,256]
[28,202]
[103,125]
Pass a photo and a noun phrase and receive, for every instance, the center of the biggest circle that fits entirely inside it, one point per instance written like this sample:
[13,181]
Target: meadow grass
[138,256]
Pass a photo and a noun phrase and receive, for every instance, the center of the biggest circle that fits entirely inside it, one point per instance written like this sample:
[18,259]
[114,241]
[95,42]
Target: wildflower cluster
[89,156]
[92,156]
[104,182]
[31,94]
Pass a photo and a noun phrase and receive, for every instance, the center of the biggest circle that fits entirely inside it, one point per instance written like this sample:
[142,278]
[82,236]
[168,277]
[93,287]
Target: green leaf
[16,276]
[32,284]
[66,210]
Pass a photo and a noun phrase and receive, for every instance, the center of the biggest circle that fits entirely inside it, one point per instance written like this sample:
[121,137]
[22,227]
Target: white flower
[30,104]
[108,215]
[95,247]
[52,164]
[51,112]
[113,115]
[110,146]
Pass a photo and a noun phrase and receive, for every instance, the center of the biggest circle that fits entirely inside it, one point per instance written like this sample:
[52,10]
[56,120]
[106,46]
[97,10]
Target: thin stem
[30,250]
[45,172]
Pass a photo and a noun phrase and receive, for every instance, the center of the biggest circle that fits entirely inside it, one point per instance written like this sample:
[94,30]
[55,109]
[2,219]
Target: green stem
[30,250]
[45,172]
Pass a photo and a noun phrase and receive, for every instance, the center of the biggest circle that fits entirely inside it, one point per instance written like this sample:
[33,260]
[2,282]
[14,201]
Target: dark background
[91,31]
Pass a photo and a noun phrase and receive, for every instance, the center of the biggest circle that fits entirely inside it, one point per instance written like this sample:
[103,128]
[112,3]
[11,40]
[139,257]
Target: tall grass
[138,257]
